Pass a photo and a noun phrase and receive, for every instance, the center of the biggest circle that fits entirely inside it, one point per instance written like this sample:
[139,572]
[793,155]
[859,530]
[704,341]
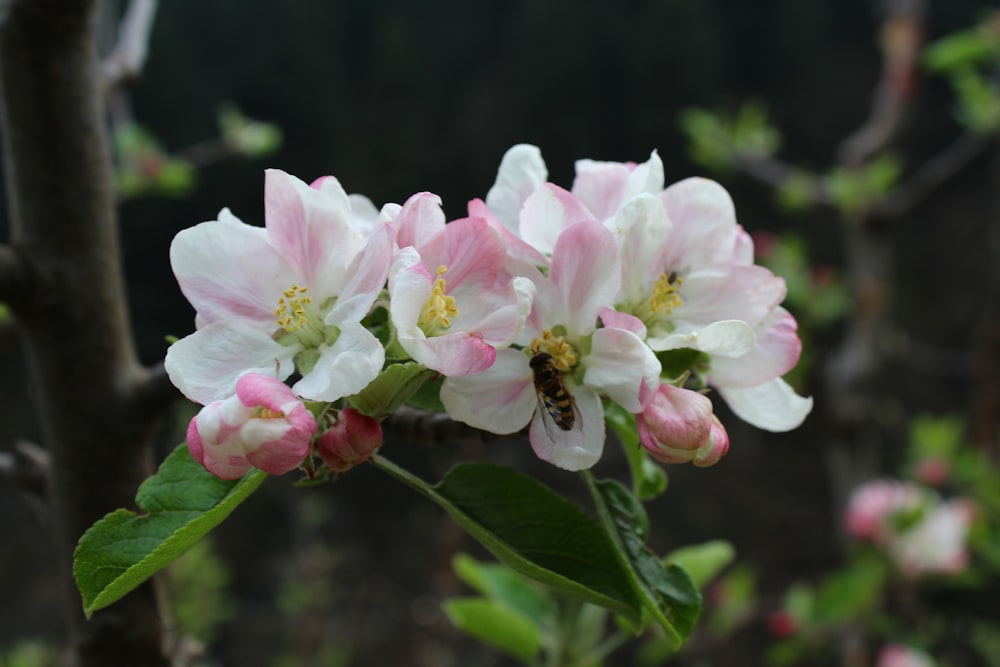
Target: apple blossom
[898,655]
[263,425]
[678,427]
[921,533]
[583,277]
[451,300]
[351,440]
[286,298]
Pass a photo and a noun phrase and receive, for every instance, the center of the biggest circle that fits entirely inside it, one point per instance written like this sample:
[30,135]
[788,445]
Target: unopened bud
[351,440]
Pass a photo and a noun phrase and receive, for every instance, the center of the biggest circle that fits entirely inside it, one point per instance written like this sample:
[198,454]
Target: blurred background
[864,167]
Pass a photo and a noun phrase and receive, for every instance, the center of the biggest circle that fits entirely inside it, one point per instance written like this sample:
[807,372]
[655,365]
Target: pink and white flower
[678,426]
[263,425]
[899,655]
[285,298]
[452,302]
[583,278]
[920,532]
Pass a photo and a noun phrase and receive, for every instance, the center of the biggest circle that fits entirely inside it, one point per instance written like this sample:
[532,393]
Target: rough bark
[72,314]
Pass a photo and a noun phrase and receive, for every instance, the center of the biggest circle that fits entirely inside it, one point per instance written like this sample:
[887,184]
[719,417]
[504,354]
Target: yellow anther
[267,413]
[666,295]
[294,299]
[440,308]
[563,356]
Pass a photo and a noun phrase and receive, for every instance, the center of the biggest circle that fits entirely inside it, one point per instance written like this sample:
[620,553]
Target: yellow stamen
[267,413]
[563,356]
[440,307]
[666,295]
[291,311]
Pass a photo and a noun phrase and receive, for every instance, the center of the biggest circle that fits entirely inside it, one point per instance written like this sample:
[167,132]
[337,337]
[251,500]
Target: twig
[931,175]
[151,392]
[26,468]
[901,37]
[127,58]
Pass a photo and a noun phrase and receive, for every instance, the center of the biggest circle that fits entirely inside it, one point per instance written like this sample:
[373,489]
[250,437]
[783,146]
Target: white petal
[772,406]
[521,171]
[577,448]
[727,338]
[501,399]
[620,364]
[227,268]
[344,368]
[205,365]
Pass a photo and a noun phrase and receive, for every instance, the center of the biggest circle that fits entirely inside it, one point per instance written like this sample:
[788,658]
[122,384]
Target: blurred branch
[932,174]
[26,468]
[128,56]
[901,38]
[13,276]
[151,392]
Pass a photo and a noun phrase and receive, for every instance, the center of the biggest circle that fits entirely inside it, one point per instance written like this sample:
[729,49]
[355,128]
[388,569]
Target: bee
[555,403]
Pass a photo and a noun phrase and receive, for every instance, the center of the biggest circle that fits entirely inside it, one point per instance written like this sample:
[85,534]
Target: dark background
[395,97]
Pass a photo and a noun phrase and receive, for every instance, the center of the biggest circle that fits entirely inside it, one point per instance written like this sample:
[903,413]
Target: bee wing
[544,412]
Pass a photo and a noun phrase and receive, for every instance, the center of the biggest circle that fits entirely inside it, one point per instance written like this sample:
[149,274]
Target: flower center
[666,294]
[268,413]
[296,315]
[563,356]
[440,307]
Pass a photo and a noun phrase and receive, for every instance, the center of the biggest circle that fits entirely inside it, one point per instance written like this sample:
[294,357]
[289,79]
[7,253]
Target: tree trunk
[63,281]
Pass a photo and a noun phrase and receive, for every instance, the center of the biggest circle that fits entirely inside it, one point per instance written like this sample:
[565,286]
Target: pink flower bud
[351,440]
[678,427]
[932,470]
[264,425]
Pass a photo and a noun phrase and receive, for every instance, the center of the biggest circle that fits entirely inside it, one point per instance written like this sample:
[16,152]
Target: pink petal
[605,186]
[473,252]
[704,220]
[616,320]
[517,249]
[453,354]
[586,273]
[547,212]
[775,352]
[420,221]
[312,228]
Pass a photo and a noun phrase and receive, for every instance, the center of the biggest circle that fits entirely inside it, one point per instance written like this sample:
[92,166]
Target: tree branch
[901,37]
[931,175]
[126,60]
[76,334]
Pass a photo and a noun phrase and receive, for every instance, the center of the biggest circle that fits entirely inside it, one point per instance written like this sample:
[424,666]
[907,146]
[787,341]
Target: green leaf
[394,386]
[703,561]
[497,625]
[850,593]
[648,479]
[503,585]
[428,395]
[184,502]
[532,530]
[666,591]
